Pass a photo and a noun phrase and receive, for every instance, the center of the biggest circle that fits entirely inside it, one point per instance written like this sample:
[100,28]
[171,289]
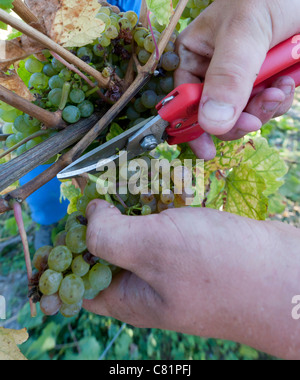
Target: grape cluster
[68,272]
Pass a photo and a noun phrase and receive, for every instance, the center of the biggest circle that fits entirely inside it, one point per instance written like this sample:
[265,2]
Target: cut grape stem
[154,39]
[49,119]
[19,220]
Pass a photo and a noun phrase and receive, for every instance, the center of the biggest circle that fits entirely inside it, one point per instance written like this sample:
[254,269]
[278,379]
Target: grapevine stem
[153,36]
[19,219]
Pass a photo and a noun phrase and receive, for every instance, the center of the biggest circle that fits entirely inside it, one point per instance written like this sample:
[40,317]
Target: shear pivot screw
[149,143]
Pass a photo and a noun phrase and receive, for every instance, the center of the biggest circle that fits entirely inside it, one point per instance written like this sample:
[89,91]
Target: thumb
[117,238]
[229,80]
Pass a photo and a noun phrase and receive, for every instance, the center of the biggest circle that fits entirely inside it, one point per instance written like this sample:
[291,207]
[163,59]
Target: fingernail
[90,209]
[218,112]
[270,106]
[287,89]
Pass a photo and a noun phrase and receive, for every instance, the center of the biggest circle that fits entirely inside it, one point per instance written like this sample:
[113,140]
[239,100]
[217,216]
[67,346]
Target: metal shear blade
[136,141]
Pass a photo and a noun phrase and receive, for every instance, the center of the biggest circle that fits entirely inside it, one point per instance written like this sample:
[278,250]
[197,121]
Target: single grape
[50,305]
[82,204]
[144,56]
[34,142]
[132,17]
[11,141]
[85,54]
[54,96]
[32,65]
[49,70]
[76,239]
[106,10]
[100,277]
[99,51]
[9,116]
[125,24]
[56,82]
[60,238]
[147,198]
[60,259]
[50,282]
[57,65]
[38,81]
[73,220]
[104,41]
[170,61]
[167,197]
[71,114]
[132,114]
[146,210]
[90,191]
[21,150]
[139,37]
[105,18]
[149,44]
[112,32]
[65,75]
[40,258]
[86,108]
[77,96]
[20,124]
[32,122]
[69,311]
[149,99]
[71,290]
[170,47]
[7,128]
[167,84]
[79,266]
[138,106]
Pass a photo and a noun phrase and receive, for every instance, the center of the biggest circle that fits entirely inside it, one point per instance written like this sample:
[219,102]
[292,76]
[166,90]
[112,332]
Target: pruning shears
[177,120]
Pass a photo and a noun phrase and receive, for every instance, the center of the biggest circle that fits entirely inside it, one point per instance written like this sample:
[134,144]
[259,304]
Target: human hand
[227,45]
[184,274]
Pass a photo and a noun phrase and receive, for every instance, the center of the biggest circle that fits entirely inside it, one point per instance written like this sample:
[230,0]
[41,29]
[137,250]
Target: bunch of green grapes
[195,7]
[67,272]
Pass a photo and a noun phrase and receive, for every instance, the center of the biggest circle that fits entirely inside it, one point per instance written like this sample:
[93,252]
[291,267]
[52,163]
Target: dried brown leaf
[14,83]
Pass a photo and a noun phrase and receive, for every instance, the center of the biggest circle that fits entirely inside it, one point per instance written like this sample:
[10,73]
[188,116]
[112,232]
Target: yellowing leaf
[244,193]
[75,23]
[9,341]
[162,9]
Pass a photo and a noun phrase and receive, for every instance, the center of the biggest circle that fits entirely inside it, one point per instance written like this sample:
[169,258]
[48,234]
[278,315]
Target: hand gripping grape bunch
[66,272]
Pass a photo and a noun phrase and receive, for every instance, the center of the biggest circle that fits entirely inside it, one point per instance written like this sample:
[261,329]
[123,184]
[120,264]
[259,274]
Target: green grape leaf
[266,161]
[217,186]
[6,4]
[162,9]
[244,193]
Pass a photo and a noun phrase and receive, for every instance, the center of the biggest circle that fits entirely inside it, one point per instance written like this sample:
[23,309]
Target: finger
[121,240]
[204,147]
[230,77]
[246,124]
[128,299]
[287,86]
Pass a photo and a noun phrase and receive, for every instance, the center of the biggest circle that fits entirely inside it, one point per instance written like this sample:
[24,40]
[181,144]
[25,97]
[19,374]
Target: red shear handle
[180,107]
